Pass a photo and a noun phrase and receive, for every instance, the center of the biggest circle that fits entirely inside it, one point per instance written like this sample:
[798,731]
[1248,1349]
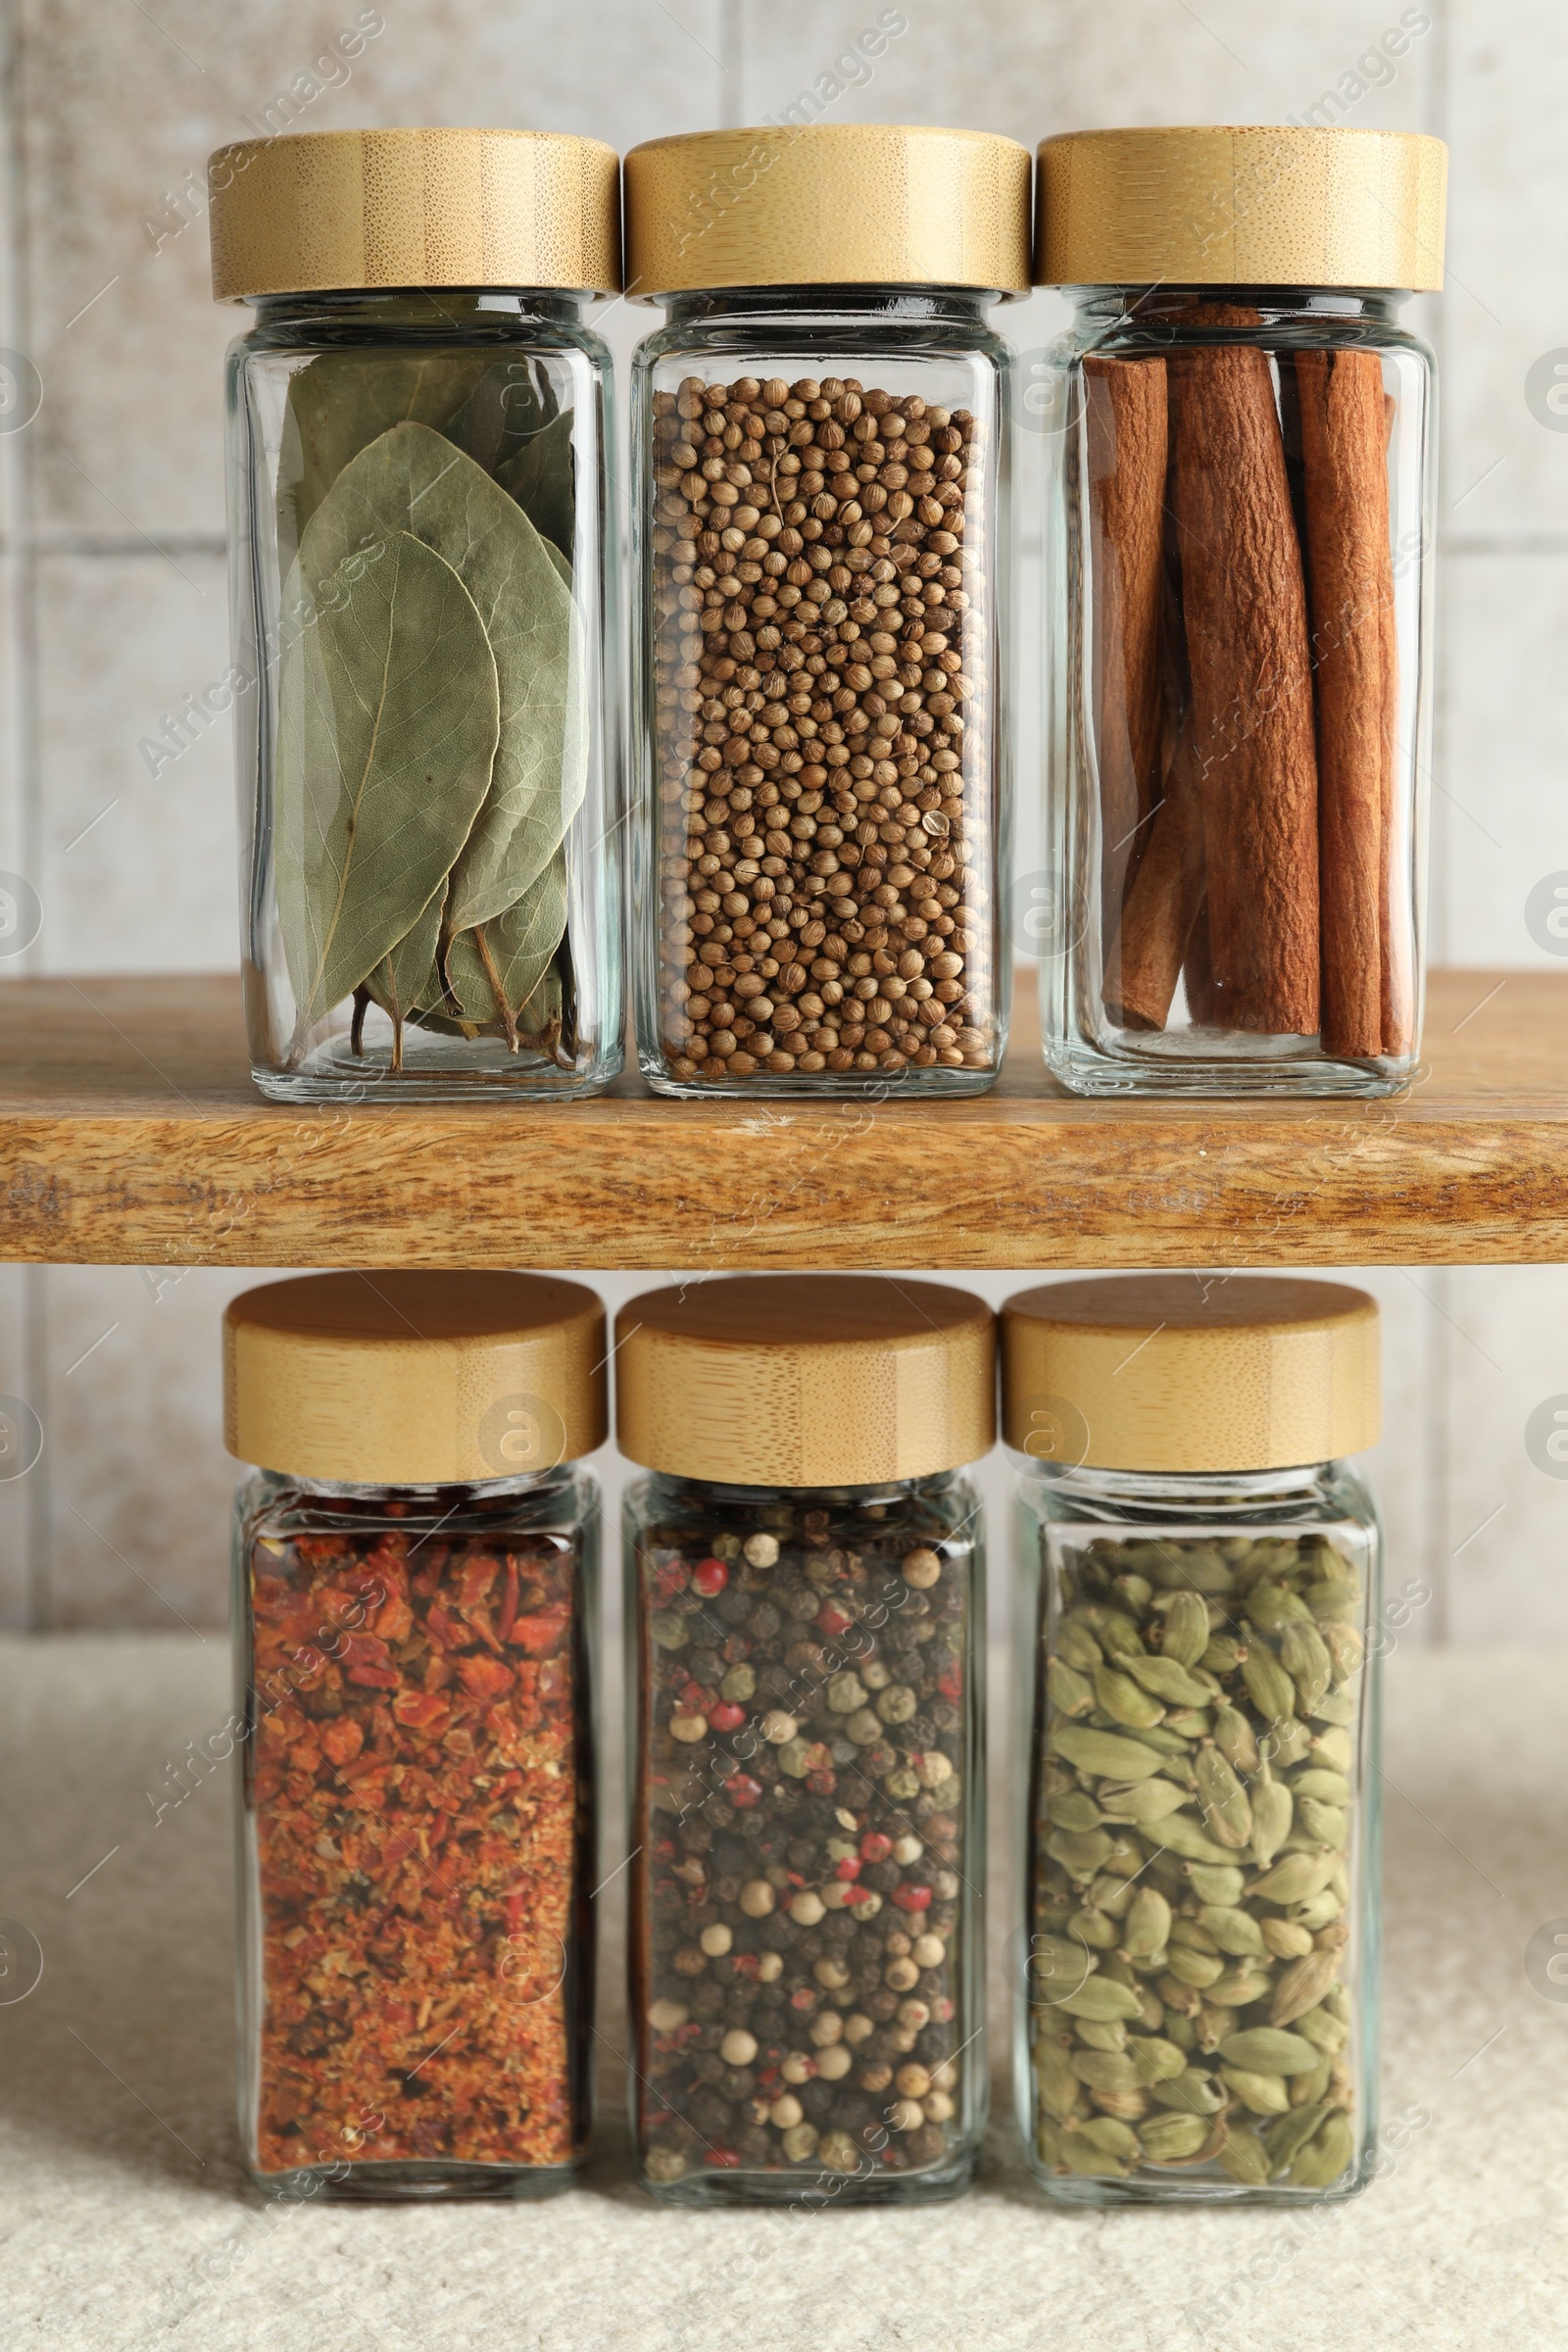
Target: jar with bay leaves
[1197,1972]
[422,610]
[820,569]
[1241,464]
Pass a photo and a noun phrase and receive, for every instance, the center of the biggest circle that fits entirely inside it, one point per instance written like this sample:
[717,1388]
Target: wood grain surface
[130,1134]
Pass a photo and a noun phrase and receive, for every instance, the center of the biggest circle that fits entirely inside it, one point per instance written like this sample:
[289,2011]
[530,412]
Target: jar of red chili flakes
[806,1615]
[415,1573]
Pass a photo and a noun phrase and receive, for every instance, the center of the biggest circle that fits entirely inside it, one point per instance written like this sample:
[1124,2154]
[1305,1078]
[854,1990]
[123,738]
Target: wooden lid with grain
[1272,205]
[806,1380]
[1190,1372]
[827,203]
[415,1379]
[333,210]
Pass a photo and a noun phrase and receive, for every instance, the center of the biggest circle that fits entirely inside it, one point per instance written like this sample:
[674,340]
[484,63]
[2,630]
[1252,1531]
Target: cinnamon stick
[1198,971]
[1351,597]
[1397,960]
[1162,902]
[1245,605]
[1126,433]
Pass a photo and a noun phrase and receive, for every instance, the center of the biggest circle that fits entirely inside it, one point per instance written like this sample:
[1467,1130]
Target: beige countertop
[125,2220]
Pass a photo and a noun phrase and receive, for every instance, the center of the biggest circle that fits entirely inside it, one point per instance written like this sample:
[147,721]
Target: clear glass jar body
[1197,1974]
[1238,604]
[423,682]
[822,761]
[806,1935]
[416,1834]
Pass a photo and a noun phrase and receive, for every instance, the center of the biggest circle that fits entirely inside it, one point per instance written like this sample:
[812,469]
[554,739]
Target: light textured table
[124,2221]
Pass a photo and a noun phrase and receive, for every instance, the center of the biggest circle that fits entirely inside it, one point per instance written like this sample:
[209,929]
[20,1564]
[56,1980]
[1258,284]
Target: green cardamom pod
[1187,1634]
[1345,1649]
[1242,1984]
[1073,1809]
[1271,1608]
[1235,1931]
[1192,1567]
[1147,1929]
[1068,1689]
[1333,1750]
[1268,2050]
[1104,1753]
[1110,2137]
[1097,2036]
[1325,1824]
[1145,1800]
[1304,1657]
[1124,1701]
[1285,1940]
[1326,2033]
[1197,1969]
[1265,2094]
[1215,1884]
[1244,2156]
[1102,1997]
[1080,1852]
[1310,2090]
[1324,2159]
[1105,2070]
[1329,1788]
[1226,1809]
[1269,1687]
[1168,1680]
[1172,2138]
[1054,2079]
[1234,1739]
[1191,2092]
[1156,2059]
[1182,1835]
[1080,2155]
[1092,1927]
[1337,1709]
[1076,1647]
[1273,1810]
[1291,2135]
[1295,1879]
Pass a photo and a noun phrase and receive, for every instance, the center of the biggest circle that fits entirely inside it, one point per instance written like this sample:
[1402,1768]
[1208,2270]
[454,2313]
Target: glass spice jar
[422,610]
[821,568]
[1238,499]
[416,1572]
[806,1635]
[1198,1977]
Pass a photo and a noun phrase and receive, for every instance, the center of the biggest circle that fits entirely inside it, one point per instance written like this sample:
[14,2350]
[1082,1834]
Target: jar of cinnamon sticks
[1240,482]
[819,737]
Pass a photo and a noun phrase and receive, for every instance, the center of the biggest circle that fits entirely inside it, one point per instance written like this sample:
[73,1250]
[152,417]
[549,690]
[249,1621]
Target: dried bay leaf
[542,478]
[563,568]
[406,977]
[389,714]
[511,402]
[344,400]
[412,478]
[519,944]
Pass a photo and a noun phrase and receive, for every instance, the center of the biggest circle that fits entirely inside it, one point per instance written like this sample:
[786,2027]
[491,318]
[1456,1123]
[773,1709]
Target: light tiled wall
[111,601]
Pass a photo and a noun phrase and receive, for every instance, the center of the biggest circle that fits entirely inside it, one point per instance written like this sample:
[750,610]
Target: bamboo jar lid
[415,1379]
[806,1380]
[1173,1372]
[335,210]
[1253,207]
[827,203]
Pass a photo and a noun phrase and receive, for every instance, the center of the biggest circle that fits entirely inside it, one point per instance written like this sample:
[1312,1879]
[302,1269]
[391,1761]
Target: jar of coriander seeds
[1198,1970]
[416,1578]
[1241,484]
[821,566]
[806,1631]
[422,610]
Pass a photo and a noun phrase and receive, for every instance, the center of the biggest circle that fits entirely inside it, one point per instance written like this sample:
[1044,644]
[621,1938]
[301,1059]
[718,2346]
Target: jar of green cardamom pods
[422,610]
[1196,1974]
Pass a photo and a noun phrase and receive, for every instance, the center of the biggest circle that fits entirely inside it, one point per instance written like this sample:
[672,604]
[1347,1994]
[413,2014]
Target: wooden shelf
[130,1134]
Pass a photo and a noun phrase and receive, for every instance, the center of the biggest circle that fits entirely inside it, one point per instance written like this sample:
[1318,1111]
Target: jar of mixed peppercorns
[821,566]
[414,1575]
[805,1619]
[1198,1978]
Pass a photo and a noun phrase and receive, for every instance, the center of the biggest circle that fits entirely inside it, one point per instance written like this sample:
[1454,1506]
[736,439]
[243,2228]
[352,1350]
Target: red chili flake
[726,1716]
[485,1678]
[508,1602]
[742,1790]
[874,1847]
[368,1661]
[709,1577]
[910,1897]
[418,1853]
[848,1868]
[541,1631]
